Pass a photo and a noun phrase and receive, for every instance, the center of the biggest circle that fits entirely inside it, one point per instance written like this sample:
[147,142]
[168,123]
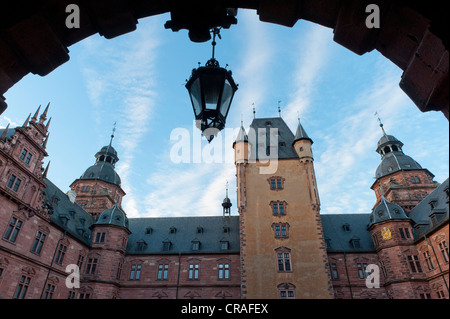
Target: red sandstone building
[43,230]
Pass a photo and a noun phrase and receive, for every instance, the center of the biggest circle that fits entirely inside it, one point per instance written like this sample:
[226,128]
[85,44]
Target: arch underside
[34,37]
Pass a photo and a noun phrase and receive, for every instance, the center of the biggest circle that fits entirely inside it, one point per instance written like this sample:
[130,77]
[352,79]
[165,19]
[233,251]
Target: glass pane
[212,85]
[196,96]
[226,98]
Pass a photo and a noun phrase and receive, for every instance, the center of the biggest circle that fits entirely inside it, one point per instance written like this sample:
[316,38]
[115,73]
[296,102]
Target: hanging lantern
[211,89]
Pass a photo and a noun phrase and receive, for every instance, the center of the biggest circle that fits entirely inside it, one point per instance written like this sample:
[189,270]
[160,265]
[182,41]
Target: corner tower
[282,247]
[99,188]
[399,177]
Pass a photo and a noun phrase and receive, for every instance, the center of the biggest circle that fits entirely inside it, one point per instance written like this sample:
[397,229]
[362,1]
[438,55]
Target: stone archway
[34,37]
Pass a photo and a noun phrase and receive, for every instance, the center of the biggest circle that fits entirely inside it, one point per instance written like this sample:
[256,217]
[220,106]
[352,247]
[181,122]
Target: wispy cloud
[313,47]
[188,189]
[120,81]
[6,120]
[258,51]
[346,164]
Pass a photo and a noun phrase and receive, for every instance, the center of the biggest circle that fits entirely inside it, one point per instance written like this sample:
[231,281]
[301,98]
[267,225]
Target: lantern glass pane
[226,98]
[212,84]
[196,96]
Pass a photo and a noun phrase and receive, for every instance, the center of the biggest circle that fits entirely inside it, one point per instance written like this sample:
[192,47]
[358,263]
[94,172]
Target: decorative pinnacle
[381,124]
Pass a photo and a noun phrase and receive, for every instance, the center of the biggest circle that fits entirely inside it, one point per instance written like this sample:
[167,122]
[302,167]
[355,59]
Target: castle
[279,246]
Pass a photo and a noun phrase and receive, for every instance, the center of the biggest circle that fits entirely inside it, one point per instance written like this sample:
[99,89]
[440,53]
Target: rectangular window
[414,263]
[135,273]
[22,287]
[283,231]
[80,261]
[48,293]
[193,271]
[85,296]
[444,250]
[23,154]
[428,260]
[100,238]
[119,271]
[224,245]
[277,231]
[279,183]
[28,159]
[284,262]
[163,271]
[195,245]
[38,242]
[91,266]
[273,184]
[224,271]
[334,272]
[287,294]
[362,270]
[13,229]
[60,254]
[14,183]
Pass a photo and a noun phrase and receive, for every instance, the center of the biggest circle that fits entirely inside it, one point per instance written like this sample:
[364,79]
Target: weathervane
[381,124]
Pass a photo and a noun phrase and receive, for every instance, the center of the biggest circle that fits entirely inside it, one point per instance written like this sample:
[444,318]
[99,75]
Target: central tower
[99,188]
[282,247]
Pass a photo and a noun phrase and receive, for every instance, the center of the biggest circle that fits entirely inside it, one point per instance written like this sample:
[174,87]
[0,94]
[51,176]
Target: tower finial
[381,124]
[254,111]
[34,118]
[113,131]
[279,110]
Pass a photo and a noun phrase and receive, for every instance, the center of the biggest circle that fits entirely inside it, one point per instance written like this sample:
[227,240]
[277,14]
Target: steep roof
[347,233]
[283,141]
[180,232]
[67,215]
[432,211]
[300,134]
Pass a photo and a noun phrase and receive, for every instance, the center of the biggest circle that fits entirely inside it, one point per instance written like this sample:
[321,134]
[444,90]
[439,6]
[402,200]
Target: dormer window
[172,230]
[433,203]
[140,245]
[195,245]
[355,242]
[226,229]
[167,245]
[148,230]
[199,230]
[346,227]
[224,245]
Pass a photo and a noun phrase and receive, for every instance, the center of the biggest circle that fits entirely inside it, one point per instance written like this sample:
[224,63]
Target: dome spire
[381,124]
[226,204]
[113,131]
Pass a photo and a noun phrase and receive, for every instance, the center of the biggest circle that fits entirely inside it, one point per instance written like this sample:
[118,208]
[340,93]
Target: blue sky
[137,80]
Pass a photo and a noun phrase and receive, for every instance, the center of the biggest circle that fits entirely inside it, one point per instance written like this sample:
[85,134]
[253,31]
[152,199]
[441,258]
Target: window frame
[13,229]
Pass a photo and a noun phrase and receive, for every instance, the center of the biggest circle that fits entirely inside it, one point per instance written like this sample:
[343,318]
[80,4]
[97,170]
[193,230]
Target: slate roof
[284,141]
[300,134]
[386,211]
[432,211]
[395,161]
[347,233]
[9,133]
[67,215]
[103,171]
[208,231]
[113,216]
